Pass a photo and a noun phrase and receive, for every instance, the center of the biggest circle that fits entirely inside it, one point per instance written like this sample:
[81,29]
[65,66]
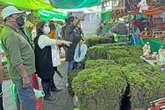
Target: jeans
[25,96]
[70,67]
[1,102]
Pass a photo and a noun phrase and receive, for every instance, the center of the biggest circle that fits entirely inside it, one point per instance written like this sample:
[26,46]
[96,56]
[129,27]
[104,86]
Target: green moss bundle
[97,52]
[94,40]
[100,88]
[146,84]
[98,63]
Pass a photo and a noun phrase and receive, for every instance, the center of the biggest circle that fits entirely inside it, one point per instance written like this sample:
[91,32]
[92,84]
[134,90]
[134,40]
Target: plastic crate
[158,104]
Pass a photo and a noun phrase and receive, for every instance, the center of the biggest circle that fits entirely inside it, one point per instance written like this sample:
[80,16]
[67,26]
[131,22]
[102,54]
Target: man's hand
[67,43]
[63,42]
[26,81]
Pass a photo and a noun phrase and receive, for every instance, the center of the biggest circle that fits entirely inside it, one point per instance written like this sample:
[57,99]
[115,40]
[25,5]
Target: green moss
[102,88]
[108,70]
[94,40]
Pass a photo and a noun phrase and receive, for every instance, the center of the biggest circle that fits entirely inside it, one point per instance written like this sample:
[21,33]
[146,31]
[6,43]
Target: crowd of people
[39,54]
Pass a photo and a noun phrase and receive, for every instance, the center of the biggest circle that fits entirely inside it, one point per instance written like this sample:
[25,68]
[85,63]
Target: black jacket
[43,61]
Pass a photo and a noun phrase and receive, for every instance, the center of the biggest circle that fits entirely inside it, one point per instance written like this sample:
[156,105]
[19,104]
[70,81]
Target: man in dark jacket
[71,34]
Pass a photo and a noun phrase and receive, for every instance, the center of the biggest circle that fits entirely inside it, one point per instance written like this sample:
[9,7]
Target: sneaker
[56,90]
[49,98]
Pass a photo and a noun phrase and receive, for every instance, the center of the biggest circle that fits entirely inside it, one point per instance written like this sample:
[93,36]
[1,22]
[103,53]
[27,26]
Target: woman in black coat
[43,57]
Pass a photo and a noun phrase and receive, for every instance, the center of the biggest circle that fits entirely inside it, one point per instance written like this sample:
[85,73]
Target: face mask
[20,21]
[46,30]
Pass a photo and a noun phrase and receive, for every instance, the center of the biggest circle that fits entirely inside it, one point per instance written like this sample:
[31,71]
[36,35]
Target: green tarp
[28,4]
[46,15]
[74,4]
[106,15]
[154,43]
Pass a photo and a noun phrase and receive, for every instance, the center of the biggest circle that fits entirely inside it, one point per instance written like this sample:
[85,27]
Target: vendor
[162,55]
[146,50]
[145,33]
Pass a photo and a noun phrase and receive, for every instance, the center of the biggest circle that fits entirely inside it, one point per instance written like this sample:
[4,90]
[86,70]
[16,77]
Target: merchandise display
[114,60]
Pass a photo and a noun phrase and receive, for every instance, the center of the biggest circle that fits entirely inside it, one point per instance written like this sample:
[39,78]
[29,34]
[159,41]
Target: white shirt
[44,41]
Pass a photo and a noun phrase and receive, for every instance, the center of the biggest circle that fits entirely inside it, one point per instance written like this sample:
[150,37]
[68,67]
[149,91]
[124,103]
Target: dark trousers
[48,86]
[1,102]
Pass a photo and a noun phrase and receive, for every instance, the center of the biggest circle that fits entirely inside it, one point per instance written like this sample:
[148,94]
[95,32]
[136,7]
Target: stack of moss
[94,40]
[147,83]
[100,88]
[120,54]
[108,70]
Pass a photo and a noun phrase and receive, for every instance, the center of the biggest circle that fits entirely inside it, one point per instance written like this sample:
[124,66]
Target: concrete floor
[63,100]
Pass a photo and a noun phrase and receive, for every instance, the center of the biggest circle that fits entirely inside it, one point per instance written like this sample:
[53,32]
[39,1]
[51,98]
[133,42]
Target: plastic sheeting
[28,4]
[46,15]
[74,4]
[106,15]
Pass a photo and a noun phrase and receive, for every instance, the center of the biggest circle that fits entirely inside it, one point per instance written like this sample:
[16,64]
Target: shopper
[55,54]
[44,57]
[20,56]
[52,34]
[72,34]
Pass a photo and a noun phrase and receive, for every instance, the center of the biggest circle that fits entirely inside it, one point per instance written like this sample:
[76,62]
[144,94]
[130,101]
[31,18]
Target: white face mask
[46,29]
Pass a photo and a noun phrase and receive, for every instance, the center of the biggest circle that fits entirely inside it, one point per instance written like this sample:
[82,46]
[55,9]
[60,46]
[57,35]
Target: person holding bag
[73,34]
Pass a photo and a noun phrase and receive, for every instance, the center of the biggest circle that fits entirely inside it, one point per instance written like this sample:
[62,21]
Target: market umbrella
[74,4]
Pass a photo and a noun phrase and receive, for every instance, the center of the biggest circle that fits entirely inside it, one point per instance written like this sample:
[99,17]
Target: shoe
[56,90]
[49,98]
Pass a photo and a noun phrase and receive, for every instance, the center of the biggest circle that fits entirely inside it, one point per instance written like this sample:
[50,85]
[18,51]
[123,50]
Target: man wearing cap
[20,56]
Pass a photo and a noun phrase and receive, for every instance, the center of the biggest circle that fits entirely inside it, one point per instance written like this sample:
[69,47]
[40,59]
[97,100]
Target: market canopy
[74,4]
[28,4]
[46,15]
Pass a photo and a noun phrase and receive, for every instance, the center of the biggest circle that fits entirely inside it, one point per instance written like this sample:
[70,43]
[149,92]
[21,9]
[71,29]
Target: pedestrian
[52,34]
[71,33]
[44,55]
[20,56]
[55,49]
